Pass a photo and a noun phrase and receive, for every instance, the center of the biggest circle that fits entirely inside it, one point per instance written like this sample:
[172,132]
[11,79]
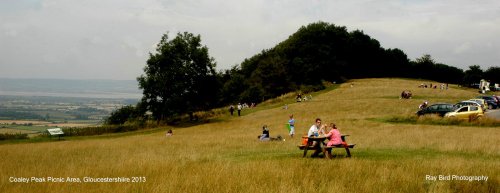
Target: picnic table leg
[306,148]
[348,152]
[346,148]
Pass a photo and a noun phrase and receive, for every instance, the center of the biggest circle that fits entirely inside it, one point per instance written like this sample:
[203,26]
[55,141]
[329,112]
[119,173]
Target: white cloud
[464,47]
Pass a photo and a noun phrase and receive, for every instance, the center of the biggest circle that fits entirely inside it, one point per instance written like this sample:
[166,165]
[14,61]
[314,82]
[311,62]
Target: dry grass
[225,156]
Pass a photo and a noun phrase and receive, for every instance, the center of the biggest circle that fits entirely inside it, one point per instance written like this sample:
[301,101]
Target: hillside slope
[225,156]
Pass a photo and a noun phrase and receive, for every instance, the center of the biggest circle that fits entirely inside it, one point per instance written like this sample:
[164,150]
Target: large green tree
[179,78]
[492,74]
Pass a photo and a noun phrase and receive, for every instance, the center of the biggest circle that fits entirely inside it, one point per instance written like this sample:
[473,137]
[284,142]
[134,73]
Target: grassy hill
[225,156]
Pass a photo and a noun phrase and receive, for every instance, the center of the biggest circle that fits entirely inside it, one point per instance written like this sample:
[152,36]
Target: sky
[112,39]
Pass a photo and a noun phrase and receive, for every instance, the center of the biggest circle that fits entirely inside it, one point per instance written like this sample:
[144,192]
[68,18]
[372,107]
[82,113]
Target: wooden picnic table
[321,146]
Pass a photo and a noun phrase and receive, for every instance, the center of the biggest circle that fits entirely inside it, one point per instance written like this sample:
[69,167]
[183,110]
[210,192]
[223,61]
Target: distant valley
[62,102]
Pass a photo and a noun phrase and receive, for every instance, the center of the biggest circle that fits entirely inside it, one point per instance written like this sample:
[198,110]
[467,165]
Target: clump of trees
[124,114]
[13,136]
[179,78]
[474,74]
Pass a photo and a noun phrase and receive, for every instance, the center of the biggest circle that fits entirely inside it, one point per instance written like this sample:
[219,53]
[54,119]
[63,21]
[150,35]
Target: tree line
[180,77]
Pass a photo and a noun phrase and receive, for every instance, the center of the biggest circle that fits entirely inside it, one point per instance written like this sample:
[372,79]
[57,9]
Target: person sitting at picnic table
[334,136]
[265,134]
[314,131]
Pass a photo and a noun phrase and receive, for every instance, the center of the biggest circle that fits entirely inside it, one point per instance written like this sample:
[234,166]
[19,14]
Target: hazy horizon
[86,88]
[104,79]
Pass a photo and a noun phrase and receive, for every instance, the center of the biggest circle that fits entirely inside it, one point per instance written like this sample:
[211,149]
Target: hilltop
[316,54]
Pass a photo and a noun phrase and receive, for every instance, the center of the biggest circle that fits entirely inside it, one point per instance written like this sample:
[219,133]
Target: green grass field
[35,128]
[225,156]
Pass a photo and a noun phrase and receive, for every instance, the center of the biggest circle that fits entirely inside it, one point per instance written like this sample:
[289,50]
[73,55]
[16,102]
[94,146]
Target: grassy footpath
[225,156]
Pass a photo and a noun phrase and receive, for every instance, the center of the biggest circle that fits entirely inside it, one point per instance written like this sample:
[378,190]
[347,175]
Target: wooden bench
[328,149]
[301,147]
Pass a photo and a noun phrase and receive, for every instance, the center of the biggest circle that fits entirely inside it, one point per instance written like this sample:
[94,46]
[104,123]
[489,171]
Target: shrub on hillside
[311,88]
[86,131]
[122,115]
[15,136]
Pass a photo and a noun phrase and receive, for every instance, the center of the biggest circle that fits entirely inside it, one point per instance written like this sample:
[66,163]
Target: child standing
[291,124]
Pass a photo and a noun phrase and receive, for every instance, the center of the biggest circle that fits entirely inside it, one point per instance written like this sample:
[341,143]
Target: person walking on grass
[231,109]
[291,126]
[239,109]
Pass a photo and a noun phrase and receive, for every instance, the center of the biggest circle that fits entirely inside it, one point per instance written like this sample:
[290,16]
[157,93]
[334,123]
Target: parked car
[438,108]
[466,103]
[492,101]
[466,113]
[482,102]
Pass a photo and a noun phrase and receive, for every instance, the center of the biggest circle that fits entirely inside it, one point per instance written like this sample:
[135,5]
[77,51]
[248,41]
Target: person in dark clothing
[299,97]
[265,134]
[231,109]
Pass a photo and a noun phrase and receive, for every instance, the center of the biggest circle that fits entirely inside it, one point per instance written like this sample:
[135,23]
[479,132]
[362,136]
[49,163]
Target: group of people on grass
[442,86]
[240,107]
[290,126]
[300,99]
[317,129]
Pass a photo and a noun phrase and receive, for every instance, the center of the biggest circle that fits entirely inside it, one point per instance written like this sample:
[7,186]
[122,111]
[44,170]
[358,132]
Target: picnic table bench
[322,146]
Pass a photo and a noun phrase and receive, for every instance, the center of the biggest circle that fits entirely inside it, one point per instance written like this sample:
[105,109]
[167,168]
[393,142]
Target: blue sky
[111,39]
